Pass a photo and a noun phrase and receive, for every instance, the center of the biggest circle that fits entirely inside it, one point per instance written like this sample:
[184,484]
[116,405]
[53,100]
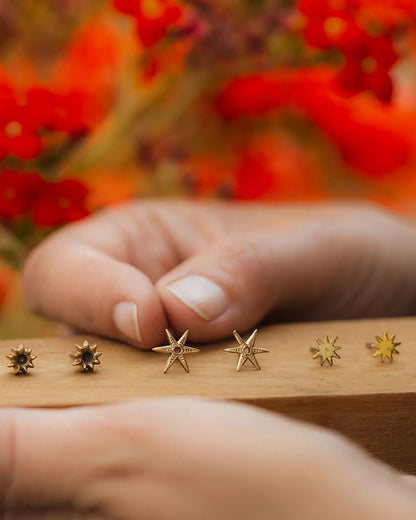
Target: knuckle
[241,255]
[250,261]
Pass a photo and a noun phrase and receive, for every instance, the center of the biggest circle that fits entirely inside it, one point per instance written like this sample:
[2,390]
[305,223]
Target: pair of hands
[126,273]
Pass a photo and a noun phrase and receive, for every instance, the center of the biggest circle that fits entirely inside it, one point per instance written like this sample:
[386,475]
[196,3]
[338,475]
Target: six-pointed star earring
[385,347]
[247,350]
[177,350]
[326,350]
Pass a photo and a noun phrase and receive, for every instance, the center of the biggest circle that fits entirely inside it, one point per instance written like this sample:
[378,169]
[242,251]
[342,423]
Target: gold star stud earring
[385,347]
[326,350]
[86,357]
[177,350]
[21,359]
[247,350]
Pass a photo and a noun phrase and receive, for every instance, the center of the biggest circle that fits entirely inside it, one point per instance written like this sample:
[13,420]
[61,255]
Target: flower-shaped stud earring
[326,350]
[177,350]
[247,350]
[86,357]
[21,359]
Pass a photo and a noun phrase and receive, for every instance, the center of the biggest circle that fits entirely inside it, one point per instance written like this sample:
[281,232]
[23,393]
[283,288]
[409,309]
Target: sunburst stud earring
[246,350]
[86,357]
[177,350]
[326,350]
[385,347]
[21,359]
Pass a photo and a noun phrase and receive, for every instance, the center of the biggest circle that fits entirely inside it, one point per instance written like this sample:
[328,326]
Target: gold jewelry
[326,350]
[177,350]
[86,357]
[247,350]
[21,359]
[385,347]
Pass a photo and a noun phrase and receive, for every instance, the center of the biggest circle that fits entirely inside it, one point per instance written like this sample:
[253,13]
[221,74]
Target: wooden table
[370,402]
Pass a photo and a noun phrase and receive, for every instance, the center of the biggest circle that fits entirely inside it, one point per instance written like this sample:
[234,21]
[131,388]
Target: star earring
[247,350]
[86,357]
[385,347]
[177,350]
[326,350]
[21,359]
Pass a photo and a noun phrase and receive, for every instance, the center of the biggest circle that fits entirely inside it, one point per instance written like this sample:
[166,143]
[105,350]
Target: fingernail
[125,319]
[202,295]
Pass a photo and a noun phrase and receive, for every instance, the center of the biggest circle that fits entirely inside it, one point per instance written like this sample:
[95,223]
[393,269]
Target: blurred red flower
[368,68]
[273,166]
[18,190]
[18,128]
[372,149]
[254,177]
[153,17]
[254,95]
[368,140]
[151,29]
[60,202]
[131,7]
[387,13]
[60,112]
[331,23]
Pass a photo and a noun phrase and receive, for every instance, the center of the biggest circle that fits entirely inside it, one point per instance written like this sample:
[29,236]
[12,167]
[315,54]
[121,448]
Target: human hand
[128,272]
[187,459]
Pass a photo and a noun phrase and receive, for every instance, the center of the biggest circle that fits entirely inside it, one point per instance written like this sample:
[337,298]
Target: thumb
[235,284]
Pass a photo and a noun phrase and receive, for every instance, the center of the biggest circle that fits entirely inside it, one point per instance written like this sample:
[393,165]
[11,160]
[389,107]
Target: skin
[355,261]
[182,459]
[188,458]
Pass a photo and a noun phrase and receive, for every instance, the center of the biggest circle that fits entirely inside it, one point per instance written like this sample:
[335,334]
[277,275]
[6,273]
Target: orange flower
[110,187]
[172,60]
[89,69]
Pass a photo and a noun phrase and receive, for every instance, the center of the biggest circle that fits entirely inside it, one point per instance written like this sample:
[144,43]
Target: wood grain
[370,402]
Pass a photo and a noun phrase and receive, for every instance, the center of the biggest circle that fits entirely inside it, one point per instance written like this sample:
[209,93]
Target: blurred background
[277,101]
